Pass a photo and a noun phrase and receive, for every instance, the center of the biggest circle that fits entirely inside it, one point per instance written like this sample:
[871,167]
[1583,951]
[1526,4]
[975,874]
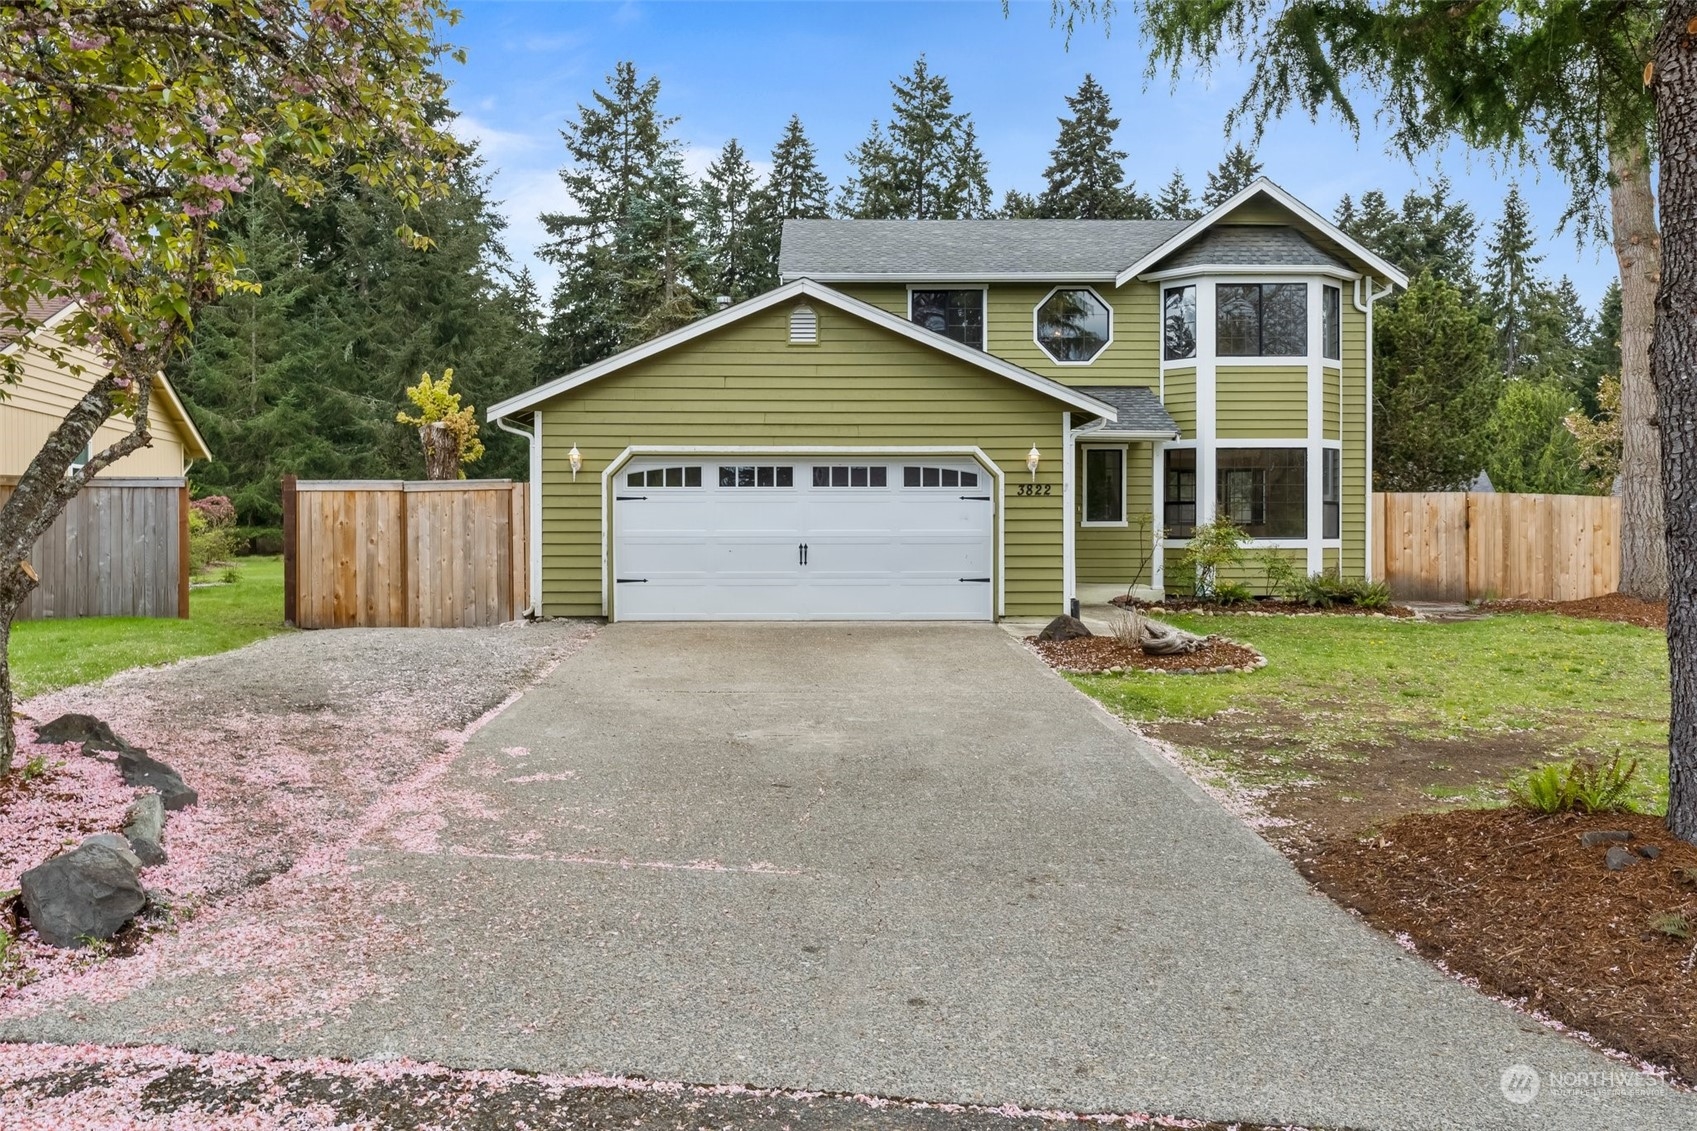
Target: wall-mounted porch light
[1032,459]
[577,460]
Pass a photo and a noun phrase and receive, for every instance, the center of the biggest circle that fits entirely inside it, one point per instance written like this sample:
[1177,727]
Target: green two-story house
[969,420]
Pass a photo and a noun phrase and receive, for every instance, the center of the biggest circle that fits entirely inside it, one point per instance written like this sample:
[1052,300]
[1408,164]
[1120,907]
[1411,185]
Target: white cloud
[493,143]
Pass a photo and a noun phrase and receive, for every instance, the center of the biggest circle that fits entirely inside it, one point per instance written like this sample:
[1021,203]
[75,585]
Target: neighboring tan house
[967,420]
[31,408]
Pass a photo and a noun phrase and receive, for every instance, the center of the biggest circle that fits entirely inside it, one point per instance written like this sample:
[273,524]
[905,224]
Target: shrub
[1372,595]
[208,543]
[1323,591]
[1672,924]
[1580,786]
[1232,593]
[1212,545]
[218,511]
[1281,574]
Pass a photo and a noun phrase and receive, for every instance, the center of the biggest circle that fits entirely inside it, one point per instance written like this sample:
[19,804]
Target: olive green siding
[1332,392]
[1355,409]
[1119,555]
[1179,399]
[1261,402]
[744,384]
[1010,329]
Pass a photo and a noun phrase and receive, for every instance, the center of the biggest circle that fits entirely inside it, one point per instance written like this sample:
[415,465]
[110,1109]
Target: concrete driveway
[899,860]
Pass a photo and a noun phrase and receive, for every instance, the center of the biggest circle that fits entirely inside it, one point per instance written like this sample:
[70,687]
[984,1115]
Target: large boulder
[144,829]
[145,772]
[87,893]
[1064,627]
[93,733]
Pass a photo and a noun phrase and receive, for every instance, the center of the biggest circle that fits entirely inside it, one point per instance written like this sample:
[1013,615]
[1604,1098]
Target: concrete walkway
[898,860]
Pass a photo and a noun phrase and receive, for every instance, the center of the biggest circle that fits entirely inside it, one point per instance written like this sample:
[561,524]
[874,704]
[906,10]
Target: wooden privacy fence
[119,549]
[1462,546]
[394,554]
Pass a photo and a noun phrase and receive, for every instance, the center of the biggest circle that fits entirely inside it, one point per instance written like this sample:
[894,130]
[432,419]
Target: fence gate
[1465,546]
[397,554]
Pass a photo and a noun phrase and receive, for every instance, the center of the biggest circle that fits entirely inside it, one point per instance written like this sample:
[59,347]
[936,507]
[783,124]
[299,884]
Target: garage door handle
[631,580]
[985,580]
[629,498]
[801,552]
[977,498]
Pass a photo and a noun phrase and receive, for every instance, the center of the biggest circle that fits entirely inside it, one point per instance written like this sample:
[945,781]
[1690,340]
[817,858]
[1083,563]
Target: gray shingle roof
[1249,245]
[1140,410]
[1057,249]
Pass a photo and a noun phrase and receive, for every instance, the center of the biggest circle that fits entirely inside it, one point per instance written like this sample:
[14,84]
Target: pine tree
[1429,232]
[1085,179]
[797,190]
[1511,281]
[662,265]
[1175,202]
[1602,353]
[617,148]
[731,225]
[1017,205]
[1558,333]
[1236,171]
[926,165]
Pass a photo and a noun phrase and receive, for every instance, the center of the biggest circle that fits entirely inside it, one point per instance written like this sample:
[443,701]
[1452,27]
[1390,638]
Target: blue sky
[741,69]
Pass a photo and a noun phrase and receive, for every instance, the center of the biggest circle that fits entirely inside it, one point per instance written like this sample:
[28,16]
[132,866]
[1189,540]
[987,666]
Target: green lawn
[1505,689]
[49,654]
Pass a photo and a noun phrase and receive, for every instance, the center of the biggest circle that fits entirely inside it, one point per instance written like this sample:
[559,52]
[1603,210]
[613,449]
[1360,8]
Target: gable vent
[804,326]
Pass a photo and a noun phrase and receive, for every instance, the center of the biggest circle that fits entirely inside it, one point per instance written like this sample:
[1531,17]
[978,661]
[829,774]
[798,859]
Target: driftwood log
[1154,637]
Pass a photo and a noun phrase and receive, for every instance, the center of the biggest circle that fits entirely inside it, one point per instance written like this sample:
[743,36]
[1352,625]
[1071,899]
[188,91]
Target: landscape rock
[1619,859]
[1647,851]
[93,733]
[1064,627]
[1604,836]
[144,829]
[89,892]
[117,844]
[146,772]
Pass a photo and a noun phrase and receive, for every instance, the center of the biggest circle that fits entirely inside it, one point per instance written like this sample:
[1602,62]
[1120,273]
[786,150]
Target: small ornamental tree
[126,128]
[447,431]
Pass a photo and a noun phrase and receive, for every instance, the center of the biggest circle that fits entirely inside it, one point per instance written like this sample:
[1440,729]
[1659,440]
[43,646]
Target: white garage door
[766,538]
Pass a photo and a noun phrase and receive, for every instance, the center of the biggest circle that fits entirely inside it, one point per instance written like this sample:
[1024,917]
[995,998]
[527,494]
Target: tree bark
[1638,248]
[441,452]
[1673,363]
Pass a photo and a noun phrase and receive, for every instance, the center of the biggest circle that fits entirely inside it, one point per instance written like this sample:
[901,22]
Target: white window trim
[1252,543]
[1035,314]
[983,290]
[1084,482]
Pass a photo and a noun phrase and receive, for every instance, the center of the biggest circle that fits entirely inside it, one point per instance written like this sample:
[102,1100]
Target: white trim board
[789,292]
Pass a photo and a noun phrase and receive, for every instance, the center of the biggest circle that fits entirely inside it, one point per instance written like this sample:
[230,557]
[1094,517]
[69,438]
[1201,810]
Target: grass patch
[50,654]
[1342,688]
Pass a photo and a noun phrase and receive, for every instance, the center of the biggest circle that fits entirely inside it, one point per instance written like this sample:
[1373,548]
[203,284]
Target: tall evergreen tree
[731,223]
[1511,280]
[664,266]
[926,165]
[1557,337]
[1602,353]
[1429,232]
[1085,179]
[1435,383]
[617,147]
[1175,201]
[795,190]
[1017,205]
[1236,171]
[1531,448]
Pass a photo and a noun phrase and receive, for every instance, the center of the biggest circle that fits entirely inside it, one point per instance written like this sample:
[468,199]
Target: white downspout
[1367,340]
[533,502]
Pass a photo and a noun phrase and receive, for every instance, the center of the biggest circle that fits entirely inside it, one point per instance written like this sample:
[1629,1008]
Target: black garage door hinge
[628,498]
[985,580]
[630,580]
[977,498]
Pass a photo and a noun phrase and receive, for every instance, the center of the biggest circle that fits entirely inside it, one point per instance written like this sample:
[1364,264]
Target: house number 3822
[1036,488]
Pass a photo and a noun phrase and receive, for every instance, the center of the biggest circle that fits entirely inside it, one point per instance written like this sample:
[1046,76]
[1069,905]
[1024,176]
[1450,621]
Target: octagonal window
[1073,325]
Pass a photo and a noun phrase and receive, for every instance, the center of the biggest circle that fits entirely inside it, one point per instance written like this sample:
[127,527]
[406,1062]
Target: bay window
[1261,319]
[1263,490]
[1331,493]
[1178,323]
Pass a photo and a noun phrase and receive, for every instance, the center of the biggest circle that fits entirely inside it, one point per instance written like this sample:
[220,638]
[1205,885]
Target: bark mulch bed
[1093,654]
[1615,607]
[1516,901]
[1260,607]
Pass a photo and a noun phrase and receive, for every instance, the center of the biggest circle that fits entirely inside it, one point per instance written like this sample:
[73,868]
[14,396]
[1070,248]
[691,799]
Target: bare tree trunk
[1638,247]
[441,452]
[8,732]
[1674,367]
